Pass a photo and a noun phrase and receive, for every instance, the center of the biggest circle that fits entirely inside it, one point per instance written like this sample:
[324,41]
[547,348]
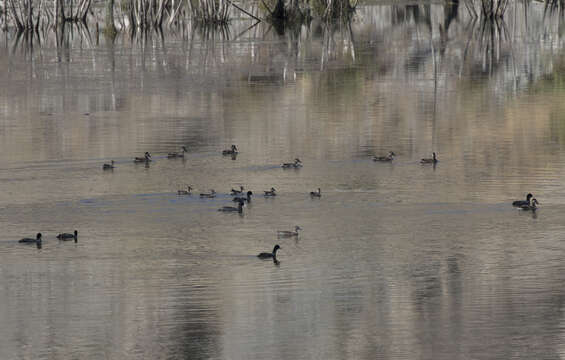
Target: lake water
[395,260]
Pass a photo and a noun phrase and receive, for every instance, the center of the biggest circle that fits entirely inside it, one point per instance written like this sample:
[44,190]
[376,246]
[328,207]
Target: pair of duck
[529,204]
[232,151]
[391,155]
[38,238]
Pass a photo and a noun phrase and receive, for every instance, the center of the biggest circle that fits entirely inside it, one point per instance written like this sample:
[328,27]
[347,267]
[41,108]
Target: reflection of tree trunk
[110,27]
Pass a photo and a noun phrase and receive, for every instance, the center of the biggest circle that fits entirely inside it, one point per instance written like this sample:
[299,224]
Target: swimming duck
[296,164]
[231,151]
[108,166]
[211,194]
[173,155]
[520,203]
[185,192]
[316,194]
[532,206]
[248,198]
[271,192]
[67,236]
[37,240]
[433,160]
[238,209]
[237,192]
[266,255]
[388,158]
[286,233]
[145,159]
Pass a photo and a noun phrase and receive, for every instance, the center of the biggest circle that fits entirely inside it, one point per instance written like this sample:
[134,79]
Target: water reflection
[397,260]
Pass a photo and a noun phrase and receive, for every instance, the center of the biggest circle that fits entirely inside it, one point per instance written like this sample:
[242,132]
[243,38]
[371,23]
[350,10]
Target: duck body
[68,236]
[285,233]
[316,193]
[173,155]
[248,198]
[433,160]
[108,166]
[294,165]
[387,158]
[520,203]
[145,159]
[238,209]
[271,192]
[266,255]
[188,191]
[533,205]
[211,194]
[232,151]
[37,240]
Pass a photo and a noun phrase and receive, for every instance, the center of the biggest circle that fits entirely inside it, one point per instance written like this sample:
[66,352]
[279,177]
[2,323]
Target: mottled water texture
[395,260]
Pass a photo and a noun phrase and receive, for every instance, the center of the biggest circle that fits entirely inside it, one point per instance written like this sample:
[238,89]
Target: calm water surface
[395,261]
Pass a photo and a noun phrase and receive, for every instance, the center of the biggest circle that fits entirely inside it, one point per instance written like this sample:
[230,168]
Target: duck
[520,203]
[248,198]
[238,209]
[388,158]
[532,206]
[173,155]
[185,192]
[231,151]
[237,192]
[266,255]
[37,240]
[296,164]
[271,192]
[67,236]
[108,166]
[433,160]
[146,158]
[316,193]
[286,233]
[211,194]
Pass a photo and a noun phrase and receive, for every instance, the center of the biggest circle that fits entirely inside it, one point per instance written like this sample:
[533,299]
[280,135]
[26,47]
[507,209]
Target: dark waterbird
[232,151]
[31,240]
[433,160]
[146,158]
[316,193]
[248,198]
[520,203]
[266,255]
[108,166]
[68,236]
[37,241]
[531,206]
[188,191]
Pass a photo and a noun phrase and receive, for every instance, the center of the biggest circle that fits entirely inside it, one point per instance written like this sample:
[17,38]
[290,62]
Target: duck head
[275,249]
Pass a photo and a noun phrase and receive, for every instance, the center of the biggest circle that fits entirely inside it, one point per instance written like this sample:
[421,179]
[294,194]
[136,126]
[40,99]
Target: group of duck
[242,197]
[529,204]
